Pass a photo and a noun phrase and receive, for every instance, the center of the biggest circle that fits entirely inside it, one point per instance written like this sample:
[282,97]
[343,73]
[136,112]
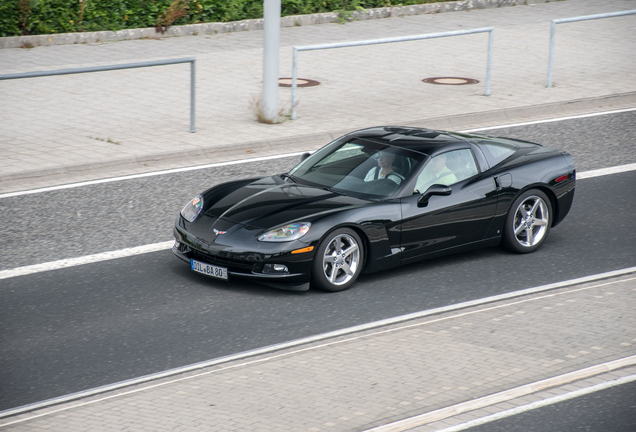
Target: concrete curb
[229,152]
[254,24]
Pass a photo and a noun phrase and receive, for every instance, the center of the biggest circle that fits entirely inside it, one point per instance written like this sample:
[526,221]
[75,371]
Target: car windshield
[359,167]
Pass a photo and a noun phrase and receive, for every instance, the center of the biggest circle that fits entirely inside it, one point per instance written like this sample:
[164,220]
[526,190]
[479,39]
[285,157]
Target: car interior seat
[402,165]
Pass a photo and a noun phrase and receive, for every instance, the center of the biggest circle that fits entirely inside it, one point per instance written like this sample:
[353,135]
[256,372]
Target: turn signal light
[303,250]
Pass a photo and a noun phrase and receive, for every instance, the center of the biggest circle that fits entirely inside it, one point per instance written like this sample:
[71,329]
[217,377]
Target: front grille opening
[233,264]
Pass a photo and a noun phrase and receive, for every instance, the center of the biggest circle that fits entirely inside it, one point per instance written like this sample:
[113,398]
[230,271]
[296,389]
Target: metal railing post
[551,55]
[192,95]
[491,38]
[296,49]
[294,82]
[57,72]
[575,19]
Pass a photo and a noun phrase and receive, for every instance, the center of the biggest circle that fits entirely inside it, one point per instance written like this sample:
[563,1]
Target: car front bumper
[247,263]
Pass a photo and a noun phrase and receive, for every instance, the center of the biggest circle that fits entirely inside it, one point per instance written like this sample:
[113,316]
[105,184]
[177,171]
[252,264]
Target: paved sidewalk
[428,373]
[78,127]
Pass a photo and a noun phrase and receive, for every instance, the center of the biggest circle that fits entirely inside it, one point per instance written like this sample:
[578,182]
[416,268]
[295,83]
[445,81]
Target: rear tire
[338,261]
[528,222]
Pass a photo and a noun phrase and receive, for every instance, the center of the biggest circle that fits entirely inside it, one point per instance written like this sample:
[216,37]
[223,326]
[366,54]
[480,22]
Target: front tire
[338,261]
[528,222]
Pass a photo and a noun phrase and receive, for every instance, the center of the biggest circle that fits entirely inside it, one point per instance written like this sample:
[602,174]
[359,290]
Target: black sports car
[375,199]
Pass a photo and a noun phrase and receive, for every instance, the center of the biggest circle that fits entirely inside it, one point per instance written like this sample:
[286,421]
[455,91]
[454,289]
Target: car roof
[420,140]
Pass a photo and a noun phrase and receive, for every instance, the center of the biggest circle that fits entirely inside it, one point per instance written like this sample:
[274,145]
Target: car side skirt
[481,244]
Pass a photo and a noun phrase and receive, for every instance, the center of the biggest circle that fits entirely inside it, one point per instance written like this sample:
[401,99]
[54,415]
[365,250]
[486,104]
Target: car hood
[269,202]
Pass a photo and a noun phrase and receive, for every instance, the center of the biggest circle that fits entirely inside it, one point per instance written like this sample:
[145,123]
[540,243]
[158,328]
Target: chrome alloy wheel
[341,259]
[531,221]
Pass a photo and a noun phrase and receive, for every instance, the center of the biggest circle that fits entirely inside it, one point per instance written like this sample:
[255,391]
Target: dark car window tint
[496,152]
[355,168]
[349,150]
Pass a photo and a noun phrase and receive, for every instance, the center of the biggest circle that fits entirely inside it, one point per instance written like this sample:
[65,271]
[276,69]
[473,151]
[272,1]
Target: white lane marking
[311,339]
[605,171]
[550,120]
[71,262]
[55,265]
[150,174]
[538,404]
[220,164]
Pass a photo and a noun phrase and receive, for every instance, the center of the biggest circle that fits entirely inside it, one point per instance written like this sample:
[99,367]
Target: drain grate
[300,82]
[450,80]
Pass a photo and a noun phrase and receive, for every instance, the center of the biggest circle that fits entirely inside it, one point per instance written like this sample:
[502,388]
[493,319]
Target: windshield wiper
[327,188]
[286,176]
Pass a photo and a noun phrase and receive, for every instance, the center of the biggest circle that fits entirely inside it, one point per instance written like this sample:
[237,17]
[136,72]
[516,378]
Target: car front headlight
[192,209]
[286,233]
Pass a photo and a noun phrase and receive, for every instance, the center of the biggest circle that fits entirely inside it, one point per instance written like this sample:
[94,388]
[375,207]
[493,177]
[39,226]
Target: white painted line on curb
[237,162]
[150,174]
[550,120]
[538,404]
[70,262]
[311,339]
[606,171]
[507,395]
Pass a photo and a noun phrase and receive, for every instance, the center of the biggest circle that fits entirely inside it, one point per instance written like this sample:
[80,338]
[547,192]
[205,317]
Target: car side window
[496,152]
[447,169]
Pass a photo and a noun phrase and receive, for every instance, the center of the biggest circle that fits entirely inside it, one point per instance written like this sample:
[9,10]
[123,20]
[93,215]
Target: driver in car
[384,170]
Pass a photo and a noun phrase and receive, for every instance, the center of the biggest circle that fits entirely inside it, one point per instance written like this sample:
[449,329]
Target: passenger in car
[436,172]
[384,169]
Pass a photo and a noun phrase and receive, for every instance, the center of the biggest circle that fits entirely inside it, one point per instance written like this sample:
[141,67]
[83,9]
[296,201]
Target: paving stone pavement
[78,127]
[377,377]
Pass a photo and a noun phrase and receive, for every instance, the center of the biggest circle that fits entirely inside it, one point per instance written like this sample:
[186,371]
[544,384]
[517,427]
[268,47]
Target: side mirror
[304,156]
[435,189]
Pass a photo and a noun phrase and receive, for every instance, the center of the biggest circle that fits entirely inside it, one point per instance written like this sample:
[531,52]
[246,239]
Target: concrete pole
[271,42]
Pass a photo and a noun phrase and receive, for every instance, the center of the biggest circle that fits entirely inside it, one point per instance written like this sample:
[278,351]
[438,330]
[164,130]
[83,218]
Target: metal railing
[388,40]
[190,60]
[575,19]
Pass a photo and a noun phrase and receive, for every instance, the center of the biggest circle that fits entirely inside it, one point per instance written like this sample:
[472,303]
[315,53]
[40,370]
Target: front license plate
[208,269]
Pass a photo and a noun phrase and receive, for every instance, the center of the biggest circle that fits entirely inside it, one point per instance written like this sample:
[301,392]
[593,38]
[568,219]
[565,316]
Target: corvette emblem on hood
[217,232]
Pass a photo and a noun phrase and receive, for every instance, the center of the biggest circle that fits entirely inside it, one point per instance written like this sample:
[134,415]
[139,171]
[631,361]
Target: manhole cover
[450,80]
[300,82]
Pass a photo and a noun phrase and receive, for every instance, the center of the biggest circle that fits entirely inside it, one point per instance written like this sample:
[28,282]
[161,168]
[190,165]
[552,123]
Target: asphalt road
[612,409]
[112,216]
[77,328]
